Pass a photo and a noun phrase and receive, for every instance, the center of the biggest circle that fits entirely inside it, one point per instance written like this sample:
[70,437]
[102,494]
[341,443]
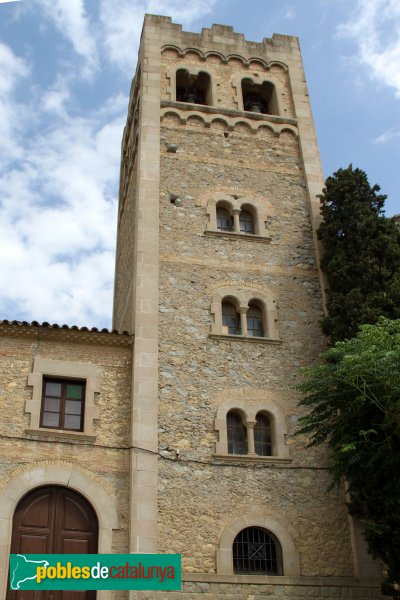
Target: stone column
[243,319]
[250,437]
[236,221]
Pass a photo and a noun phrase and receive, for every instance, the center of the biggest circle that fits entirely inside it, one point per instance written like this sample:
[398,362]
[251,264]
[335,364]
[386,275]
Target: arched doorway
[54,520]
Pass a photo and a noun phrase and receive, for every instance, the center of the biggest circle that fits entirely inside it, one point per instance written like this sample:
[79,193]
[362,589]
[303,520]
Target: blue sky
[65,73]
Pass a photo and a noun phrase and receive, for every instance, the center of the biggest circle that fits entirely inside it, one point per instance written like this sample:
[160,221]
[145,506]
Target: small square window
[62,404]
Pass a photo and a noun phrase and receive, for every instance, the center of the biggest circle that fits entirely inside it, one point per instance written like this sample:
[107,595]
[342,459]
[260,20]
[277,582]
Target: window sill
[244,338]
[60,434]
[235,235]
[252,458]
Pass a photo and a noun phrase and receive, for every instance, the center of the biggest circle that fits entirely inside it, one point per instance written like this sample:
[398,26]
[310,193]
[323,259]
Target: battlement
[219,37]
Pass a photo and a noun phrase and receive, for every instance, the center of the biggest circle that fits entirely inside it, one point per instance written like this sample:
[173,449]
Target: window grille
[257,552]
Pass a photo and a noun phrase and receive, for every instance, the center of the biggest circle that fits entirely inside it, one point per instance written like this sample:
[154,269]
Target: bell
[252,103]
[191,95]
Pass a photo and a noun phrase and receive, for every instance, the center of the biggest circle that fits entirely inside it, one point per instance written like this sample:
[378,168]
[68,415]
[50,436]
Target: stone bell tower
[217,278]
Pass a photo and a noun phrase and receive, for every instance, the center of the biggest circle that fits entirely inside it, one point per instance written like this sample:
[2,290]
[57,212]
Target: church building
[174,432]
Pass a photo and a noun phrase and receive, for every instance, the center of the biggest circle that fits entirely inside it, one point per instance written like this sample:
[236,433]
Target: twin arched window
[254,319]
[250,437]
[242,221]
[256,551]
[246,313]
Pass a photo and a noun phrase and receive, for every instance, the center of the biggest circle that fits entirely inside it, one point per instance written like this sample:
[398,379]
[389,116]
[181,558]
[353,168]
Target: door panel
[54,520]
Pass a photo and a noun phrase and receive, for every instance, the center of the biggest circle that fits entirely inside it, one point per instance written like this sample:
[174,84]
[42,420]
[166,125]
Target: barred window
[262,435]
[237,433]
[256,551]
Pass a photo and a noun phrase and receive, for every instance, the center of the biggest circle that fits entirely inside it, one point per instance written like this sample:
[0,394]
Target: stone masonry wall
[293,589]
[199,494]
[224,75]
[106,458]
[125,259]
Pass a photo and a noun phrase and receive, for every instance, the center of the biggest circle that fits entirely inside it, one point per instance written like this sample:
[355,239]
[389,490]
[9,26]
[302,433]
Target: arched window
[259,98]
[194,89]
[224,219]
[246,221]
[237,433]
[255,326]
[230,318]
[256,551]
[262,435]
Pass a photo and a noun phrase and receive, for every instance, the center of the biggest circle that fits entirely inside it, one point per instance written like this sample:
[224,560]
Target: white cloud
[375,27]
[13,70]
[59,167]
[290,14]
[56,98]
[122,23]
[388,135]
[60,255]
[71,20]
[58,179]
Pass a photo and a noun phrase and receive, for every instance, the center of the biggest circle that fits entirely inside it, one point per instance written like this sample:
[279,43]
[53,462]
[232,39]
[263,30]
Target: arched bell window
[255,325]
[224,219]
[230,318]
[246,221]
[237,433]
[195,89]
[259,98]
[262,435]
[256,551]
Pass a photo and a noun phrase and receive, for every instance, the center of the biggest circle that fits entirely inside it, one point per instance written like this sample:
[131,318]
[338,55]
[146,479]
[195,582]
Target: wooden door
[54,520]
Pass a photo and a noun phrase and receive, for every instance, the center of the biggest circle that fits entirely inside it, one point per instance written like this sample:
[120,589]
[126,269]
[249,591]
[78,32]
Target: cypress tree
[361,255]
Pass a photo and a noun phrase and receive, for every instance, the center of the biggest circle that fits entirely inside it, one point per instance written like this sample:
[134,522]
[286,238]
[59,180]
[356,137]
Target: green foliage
[361,255]
[354,402]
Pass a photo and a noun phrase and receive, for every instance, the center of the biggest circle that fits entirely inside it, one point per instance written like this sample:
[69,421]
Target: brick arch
[65,475]
[290,557]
